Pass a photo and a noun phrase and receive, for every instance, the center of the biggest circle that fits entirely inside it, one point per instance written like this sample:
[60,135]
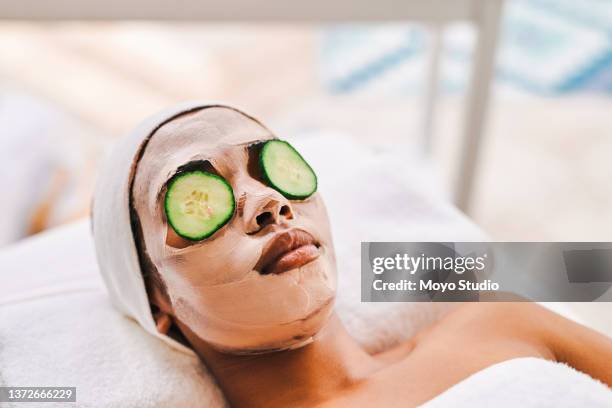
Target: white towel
[526,383]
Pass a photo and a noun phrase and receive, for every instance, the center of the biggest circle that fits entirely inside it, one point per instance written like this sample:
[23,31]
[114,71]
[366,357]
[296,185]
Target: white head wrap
[112,227]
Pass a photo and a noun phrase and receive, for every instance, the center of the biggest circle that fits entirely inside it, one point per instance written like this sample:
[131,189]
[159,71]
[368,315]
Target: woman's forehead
[209,126]
[206,134]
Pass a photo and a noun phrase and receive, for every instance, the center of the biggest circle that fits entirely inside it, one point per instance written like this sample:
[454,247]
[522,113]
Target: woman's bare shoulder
[553,336]
[506,330]
[475,336]
[498,316]
[517,324]
[468,339]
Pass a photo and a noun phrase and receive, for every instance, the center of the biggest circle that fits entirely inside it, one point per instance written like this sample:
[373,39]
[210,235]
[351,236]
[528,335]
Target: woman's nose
[261,210]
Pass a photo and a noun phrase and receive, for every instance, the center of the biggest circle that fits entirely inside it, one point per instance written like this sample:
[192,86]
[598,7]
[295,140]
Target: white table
[484,14]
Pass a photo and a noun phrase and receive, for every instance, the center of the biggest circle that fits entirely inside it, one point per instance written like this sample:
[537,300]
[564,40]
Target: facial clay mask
[231,219]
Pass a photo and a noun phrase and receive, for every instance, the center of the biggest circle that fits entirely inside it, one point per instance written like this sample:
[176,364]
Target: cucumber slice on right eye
[198,203]
[285,170]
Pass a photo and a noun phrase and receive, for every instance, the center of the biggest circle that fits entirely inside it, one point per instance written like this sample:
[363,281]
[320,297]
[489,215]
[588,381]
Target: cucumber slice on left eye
[285,170]
[198,203]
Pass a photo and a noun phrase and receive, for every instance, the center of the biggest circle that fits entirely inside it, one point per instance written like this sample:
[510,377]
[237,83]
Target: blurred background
[68,89]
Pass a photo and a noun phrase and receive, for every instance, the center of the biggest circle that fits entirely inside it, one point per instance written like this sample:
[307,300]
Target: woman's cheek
[215,263]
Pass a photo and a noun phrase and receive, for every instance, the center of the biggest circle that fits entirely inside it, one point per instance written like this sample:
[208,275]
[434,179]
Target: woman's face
[266,280]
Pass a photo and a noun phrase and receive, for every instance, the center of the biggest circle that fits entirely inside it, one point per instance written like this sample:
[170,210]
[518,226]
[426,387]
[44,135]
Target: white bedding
[58,328]
[526,382]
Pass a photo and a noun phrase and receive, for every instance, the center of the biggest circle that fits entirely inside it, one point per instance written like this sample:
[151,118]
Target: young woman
[235,252]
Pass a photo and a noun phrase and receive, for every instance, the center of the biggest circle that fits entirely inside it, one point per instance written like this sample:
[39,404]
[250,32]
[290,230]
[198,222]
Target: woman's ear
[162,312]
[163,321]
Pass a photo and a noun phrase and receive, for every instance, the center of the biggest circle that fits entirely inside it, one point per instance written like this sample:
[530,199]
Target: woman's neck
[310,374]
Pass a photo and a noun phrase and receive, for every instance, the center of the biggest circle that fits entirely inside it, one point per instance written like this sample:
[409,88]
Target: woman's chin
[270,338]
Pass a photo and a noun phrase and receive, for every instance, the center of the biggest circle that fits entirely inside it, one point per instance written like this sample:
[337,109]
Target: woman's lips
[287,250]
[293,259]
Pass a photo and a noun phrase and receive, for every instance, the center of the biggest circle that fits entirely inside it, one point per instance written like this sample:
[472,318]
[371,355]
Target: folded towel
[526,382]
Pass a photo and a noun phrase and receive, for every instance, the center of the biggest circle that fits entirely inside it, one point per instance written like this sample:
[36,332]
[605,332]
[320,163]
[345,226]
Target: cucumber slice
[198,203]
[285,170]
